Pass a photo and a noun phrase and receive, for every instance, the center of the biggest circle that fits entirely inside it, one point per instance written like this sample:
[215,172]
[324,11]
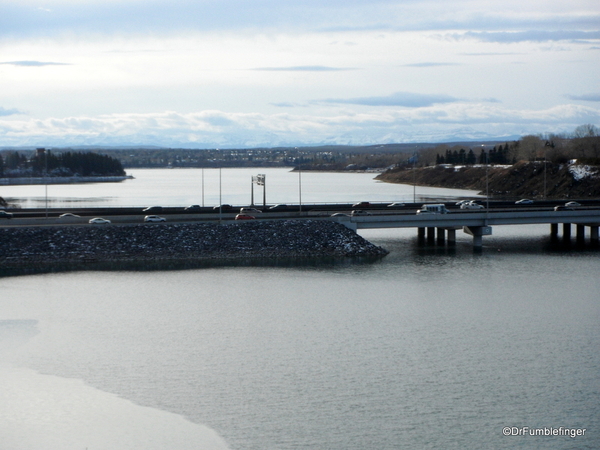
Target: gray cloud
[33,63]
[9,112]
[585,97]
[406,99]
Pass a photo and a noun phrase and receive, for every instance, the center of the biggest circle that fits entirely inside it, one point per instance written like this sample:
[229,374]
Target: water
[182,187]
[426,348]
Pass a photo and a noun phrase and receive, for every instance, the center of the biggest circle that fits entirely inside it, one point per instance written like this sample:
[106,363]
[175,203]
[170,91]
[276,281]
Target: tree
[587,130]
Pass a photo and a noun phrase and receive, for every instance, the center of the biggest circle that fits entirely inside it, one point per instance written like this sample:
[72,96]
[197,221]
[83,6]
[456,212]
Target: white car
[250,211]
[471,205]
[154,219]
[524,201]
[99,221]
[360,212]
[572,204]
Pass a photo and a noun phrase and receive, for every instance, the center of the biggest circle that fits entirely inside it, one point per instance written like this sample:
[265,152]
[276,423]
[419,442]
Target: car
[395,205]
[69,216]
[278,207]
[562,208]
[250,211]
[153,209]
[471,205]
[361,205]
[99,221]
[223,208]
[572,204]
[244,217]
[524,201]
[461,202]
[5,215]
[360,212]
[340,215]
[192,208]
[154,219]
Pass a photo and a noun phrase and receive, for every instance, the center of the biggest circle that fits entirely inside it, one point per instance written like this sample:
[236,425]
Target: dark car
[278,207]
[223,208]
[153,209]
[361,205]
[5,215]
[192,208]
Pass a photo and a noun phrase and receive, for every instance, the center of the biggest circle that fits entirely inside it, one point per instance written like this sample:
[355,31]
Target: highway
[40,216]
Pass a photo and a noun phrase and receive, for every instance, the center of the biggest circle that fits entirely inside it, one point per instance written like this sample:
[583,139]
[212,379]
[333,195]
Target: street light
[299,182]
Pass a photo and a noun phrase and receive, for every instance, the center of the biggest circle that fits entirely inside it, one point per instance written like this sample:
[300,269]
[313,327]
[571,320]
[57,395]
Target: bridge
[432,227]
[480,223]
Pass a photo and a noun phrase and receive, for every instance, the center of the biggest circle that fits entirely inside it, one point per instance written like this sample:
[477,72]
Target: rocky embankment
[152,243]
[523,179]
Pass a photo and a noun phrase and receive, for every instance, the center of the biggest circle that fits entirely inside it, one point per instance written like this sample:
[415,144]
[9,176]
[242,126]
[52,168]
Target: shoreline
[21,181]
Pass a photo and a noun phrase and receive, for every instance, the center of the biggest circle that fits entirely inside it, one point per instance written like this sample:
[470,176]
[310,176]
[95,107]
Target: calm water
[182,187]
[423,349]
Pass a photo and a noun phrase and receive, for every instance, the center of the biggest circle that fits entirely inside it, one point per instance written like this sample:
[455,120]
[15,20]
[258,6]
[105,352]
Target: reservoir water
[427,348]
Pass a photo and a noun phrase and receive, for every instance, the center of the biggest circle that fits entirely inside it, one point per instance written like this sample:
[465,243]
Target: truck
[435,208]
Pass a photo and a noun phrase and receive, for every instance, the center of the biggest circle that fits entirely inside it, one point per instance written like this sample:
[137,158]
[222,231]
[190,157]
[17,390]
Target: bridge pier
[421,233]
[566,231]
[478,233]
[451,236]
[580,233]
[594,234]
[430,234]
[441,236]
[554,230]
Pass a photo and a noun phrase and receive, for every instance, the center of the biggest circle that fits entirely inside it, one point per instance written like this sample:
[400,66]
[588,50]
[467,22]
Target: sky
[266,73]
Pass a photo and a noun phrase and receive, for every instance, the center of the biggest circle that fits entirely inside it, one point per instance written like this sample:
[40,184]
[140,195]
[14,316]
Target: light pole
[46,179]
[299,183]
[203,187]
[220,202]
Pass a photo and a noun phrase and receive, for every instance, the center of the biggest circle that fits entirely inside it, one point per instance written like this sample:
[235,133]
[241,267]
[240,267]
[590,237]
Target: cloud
[406,99]
[585,97]
[9,112]
[304,69]
[33,63]
[206,129]
[508,37]
[431,64]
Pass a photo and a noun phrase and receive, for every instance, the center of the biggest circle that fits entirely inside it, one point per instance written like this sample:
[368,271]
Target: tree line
[583,144]
[60,164]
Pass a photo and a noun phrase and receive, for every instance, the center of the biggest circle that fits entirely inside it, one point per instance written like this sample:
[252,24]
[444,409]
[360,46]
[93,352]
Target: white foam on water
[53,413]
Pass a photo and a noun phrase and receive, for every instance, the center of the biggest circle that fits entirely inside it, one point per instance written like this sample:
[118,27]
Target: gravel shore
[254,240]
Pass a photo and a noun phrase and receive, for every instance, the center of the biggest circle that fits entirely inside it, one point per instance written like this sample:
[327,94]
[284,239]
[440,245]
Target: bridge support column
[421,233]
[594,234]
[553,230]
[430,234]
[478,233]
[451,236]
[580,233]
[566,230]
[441,236]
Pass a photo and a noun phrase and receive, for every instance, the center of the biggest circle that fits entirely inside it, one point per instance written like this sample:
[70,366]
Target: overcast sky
[245,73]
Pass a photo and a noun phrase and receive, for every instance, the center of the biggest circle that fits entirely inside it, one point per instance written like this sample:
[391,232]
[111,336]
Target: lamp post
[46,179]
[203,187]
[299,183]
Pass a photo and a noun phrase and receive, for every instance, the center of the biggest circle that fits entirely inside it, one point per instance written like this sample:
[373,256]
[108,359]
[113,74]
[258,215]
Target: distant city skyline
[238,74]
